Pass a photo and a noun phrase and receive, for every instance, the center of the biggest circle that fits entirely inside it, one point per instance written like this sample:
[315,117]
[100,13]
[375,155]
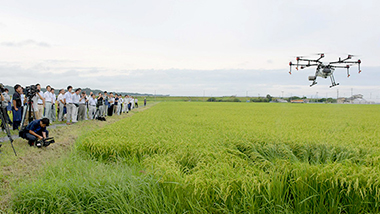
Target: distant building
[355,99]
[299,101]
[279,101]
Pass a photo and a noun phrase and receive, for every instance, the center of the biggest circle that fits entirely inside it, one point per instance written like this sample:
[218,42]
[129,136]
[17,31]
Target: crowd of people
[71,105]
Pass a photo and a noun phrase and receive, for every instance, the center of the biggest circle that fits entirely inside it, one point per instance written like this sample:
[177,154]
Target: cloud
[189,82]
[25,43]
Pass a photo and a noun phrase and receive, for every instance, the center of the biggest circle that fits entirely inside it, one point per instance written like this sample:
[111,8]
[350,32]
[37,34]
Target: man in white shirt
[40,102]
[48,102]
[136,103]
[132,100]
[120,101]
[53,113]
[82,106]
[61,104]
[106,104]
[68,97]
[92,106]
[125,104]
[76,97]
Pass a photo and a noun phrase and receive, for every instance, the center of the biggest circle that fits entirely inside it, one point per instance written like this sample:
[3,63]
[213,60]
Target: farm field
[179,157]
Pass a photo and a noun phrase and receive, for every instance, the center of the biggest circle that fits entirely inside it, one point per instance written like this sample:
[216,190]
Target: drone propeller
[359,61]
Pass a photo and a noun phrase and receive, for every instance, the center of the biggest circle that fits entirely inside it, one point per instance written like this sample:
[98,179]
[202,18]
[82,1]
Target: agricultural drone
[325,70]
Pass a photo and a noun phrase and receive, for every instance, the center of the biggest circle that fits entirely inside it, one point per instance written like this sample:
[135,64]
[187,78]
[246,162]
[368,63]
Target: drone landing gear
[333,83]
[313,78]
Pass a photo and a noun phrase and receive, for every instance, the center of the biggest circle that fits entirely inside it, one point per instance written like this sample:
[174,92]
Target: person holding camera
[61,104]
[100,105]
[82,106]
[40,102]
[76,97]
[92,102]
[106,104]
[5,99]
[36,130]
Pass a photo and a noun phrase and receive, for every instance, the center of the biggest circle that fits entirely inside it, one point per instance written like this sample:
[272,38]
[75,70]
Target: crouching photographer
[37,134]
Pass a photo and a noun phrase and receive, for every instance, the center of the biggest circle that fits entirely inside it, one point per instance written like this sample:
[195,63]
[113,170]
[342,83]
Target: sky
[189,48]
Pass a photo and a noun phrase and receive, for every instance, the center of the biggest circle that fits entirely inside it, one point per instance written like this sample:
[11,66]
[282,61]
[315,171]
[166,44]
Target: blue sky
[188,47]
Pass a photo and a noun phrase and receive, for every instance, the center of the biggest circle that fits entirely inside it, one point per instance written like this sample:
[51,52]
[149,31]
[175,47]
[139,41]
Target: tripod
[29,109]
[6,128]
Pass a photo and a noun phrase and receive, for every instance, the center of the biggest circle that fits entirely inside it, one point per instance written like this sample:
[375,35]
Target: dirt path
[31,160]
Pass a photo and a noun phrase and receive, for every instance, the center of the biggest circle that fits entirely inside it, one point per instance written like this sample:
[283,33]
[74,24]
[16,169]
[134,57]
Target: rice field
[181,157]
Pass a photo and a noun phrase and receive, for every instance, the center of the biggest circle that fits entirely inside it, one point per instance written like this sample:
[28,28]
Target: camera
[44,142]
[31,91]
[2,88]
[99,102]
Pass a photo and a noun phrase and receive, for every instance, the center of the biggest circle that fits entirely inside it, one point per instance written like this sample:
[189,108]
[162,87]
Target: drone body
[324,70]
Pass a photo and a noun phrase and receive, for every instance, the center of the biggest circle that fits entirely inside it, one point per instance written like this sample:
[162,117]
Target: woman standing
[17,107]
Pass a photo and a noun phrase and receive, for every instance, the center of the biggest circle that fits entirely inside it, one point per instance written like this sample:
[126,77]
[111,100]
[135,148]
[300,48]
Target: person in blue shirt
[36,130]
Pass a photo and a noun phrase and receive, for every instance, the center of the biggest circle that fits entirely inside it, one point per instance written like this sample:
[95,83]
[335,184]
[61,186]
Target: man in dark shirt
[36,130]
[17,107]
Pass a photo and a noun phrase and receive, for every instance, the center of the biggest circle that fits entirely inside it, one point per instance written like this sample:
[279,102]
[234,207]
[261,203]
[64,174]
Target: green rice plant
[232,158]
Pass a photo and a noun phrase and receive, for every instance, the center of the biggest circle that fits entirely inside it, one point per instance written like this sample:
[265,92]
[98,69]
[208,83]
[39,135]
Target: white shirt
[82,100]
[92,101]
[76,98]
[48,96]
[54,97]
[136,100]
[130,100]
[69,97]
[22,99]
[39,101]
[61,97]
[120,101]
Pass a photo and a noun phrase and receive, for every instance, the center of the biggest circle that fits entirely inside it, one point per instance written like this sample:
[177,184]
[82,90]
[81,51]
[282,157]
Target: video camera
[44,142]
[2,88]
[31,91]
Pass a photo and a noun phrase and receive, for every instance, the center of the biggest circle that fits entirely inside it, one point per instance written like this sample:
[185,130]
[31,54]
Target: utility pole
[337,94]
[352,95]
[154,95]
[282,94]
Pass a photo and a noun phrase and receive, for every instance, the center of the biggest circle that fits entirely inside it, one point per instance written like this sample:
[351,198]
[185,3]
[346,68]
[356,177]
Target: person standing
[106,104]
[125,104]
[61,104]
[82,106]
[17,107]
[111,101]
[53,113]
[92,106]
[119,110]
[48,102]
[116,105]
[144,101]
[40,102]
[100,105]
[136,102]
[76,97]
[68,97]
[5,99]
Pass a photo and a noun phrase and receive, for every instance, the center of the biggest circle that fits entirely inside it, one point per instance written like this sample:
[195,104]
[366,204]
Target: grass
[31,161]
[219,158]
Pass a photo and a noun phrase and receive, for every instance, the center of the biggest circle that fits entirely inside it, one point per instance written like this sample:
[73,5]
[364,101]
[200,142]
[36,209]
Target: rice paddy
[179,157]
